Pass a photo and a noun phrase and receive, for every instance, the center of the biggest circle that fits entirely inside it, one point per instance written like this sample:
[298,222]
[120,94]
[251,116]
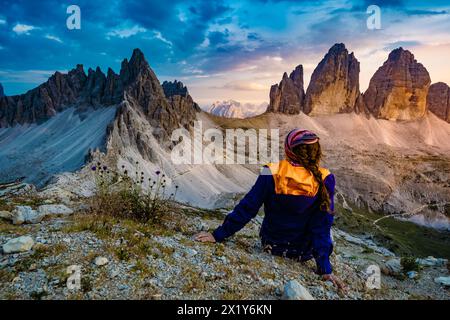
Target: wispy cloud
[420,12]
[26,76]
[23,28]
[159,36]
[404,44]
[126,32]
[245,86]
[54,38]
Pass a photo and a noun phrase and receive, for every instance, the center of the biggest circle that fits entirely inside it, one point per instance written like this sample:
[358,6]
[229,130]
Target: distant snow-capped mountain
[234,109]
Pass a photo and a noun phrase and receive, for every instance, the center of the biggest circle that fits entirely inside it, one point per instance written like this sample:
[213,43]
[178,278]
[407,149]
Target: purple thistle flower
[158,172]
[94,168]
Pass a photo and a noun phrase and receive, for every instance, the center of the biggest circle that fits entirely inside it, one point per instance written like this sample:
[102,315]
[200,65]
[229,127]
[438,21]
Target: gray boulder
[293,290]
[432,262]
[393,266]
[25,214]
[445,281]
[20,244]
[56,209]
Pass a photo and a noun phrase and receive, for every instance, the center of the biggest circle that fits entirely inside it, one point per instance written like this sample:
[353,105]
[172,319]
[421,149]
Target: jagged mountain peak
[398,89]
[334,85]
[400,53]
[138,58]
[288,96]
[234,109]
[297,76]
[79,68]
[131,69]
[337,48]
[172,88]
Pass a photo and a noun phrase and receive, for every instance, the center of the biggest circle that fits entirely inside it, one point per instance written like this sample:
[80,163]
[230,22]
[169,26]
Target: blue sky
[224,49]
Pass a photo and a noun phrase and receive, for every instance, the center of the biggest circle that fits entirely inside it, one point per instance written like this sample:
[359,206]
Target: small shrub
[38,295]
[409,264]
[86,284]
[120,195]
[122,253]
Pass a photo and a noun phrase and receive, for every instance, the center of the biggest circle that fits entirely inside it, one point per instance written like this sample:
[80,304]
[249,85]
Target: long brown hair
[309,156]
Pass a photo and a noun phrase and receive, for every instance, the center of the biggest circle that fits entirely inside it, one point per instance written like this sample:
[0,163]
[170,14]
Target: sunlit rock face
[398,89]
[334,86]
[288,96]
[438,100]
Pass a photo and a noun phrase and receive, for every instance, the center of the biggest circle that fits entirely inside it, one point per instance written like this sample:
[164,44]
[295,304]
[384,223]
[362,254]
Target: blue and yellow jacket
[293,224]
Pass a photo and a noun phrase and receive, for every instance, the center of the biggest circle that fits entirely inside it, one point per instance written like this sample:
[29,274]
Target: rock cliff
[438,100]
[288,96]
[334,85]
[398,89]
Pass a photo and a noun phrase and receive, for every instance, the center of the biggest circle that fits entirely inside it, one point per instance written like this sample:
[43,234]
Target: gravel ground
[163,262]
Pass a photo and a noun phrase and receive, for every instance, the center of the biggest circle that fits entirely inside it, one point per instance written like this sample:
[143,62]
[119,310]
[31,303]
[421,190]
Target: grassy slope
[402,237]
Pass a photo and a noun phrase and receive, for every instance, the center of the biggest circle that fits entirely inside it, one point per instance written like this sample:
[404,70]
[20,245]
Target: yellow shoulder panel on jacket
[293,180]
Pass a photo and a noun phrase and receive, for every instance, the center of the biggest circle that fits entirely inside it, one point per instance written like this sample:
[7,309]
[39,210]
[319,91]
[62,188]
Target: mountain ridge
[234,109]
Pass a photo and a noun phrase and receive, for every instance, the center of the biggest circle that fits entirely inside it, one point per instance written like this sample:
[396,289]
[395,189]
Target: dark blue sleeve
[330,184]
[247,208]
[320,228]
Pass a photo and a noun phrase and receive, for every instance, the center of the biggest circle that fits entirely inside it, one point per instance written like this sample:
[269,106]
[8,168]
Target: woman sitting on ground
[298,198]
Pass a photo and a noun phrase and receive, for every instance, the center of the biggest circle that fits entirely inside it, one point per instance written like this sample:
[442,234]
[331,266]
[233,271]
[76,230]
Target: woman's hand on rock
[336,281]
[205,237]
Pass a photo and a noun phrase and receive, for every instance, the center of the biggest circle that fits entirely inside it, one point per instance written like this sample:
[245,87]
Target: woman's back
[298,202]
[291,201]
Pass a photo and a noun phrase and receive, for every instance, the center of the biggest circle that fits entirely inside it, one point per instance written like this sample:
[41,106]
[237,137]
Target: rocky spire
[144,95]
[130,70]
[178,96]
[1,91]
[174,88]
[438,100]
[334,85]
[398,89]
[94,87]
[288,96]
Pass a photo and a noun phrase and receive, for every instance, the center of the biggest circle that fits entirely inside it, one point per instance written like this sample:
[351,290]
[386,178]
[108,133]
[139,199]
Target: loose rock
[393,266]
[20,244]
[432,262]
[6,215]
[101,261]
[47,209]
[445,281]
[25,214]
[293,290]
